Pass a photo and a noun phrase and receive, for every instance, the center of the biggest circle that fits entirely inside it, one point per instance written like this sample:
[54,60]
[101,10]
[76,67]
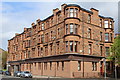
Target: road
[18,78]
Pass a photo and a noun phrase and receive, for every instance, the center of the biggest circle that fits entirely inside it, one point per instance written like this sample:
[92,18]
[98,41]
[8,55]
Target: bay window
[71,28]
[110,24]
[71,46]
[71,12]
[75,12]
[106,24]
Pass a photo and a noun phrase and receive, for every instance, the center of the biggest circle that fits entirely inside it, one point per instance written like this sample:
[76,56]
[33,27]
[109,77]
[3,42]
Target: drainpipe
[83,38]
[104,68]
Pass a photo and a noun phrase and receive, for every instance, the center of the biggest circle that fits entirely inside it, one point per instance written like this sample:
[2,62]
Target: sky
[17,15]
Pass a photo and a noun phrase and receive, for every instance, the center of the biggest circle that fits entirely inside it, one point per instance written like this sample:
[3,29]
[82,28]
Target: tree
[4,59]
[115,49]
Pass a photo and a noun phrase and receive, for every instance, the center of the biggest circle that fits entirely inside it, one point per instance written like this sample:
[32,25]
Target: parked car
[1,72]
[6,73]
[26,74]
[17,73]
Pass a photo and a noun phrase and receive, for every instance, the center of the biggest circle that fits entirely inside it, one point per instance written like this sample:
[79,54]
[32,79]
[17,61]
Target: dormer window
[106,24]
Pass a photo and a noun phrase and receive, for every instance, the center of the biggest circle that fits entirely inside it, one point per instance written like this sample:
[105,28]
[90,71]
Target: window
[75,46]
[71,28]
[47,24]
[46,50]
[51,35]
[71,12]
[66,28]
[106,37]
[50,65]
[57,65]
[58,20]
[67,13]
[75,12]
[51,21]
[67,46]
[79,65]
[75,28]
[51,45]
[100,22]
[39,50]
[110,24]
[106,24]
[94,66]
[42,38]
[100,36]
[42,26]
[35,64]
[62,65]
[89,18]
[111,37]
[58,48]
[101,50]
[89,33]
[71,46]
[58,31]
[46,37]
[107,51]
[89,49]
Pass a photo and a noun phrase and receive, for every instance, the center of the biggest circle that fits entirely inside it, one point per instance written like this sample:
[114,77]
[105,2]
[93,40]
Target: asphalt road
[18,78]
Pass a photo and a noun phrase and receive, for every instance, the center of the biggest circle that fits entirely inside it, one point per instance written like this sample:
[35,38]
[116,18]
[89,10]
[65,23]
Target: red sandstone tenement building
[71,43]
